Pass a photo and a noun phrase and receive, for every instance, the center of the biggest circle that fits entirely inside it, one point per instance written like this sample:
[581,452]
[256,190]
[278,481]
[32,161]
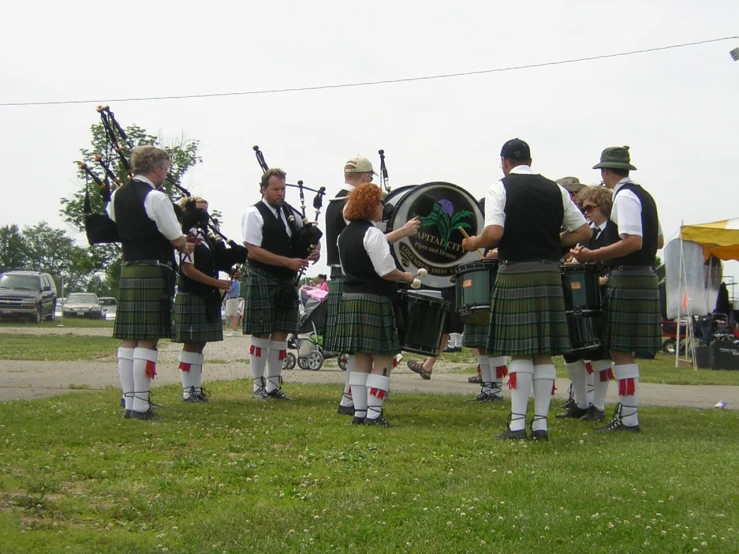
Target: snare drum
[421,318]
[473,285]
[581,289]
[583,305]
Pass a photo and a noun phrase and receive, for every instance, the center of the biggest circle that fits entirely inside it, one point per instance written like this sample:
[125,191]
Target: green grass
[72,322]
[243,476]
[67,347]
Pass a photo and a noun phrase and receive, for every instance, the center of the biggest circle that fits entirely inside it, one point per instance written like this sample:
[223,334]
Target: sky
[675,108]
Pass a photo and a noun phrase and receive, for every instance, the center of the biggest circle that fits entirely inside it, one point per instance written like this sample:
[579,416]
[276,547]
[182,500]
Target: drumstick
[422,272]
[461,230]
[416,284]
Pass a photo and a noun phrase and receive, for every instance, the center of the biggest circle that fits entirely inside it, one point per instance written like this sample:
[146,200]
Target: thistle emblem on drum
[445,219]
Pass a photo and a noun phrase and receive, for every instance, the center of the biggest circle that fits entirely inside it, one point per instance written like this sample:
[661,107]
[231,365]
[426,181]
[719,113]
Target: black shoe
[259,394]
[358,420]
[573,412]
[148,414]
[593,414]
[486,397]
[616,424]
[127,414]
[378,421]
[508,434]
[278,394]
[203,395]
[192,399]
[346,410]
[540,435]
[452,349]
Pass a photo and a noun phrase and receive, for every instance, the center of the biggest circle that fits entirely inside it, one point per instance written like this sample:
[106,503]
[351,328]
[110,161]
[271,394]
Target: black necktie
[282,221]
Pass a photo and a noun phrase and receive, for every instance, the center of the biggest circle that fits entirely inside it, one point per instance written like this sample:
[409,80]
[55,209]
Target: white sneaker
[235,334]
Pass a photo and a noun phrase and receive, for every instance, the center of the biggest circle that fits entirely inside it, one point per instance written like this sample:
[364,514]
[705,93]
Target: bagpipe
[100,229]
[305,238]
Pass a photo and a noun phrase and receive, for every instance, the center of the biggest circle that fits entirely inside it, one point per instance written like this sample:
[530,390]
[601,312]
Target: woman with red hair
[366,325]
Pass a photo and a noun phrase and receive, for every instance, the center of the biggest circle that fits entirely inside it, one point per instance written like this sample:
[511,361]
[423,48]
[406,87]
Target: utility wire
[370,83]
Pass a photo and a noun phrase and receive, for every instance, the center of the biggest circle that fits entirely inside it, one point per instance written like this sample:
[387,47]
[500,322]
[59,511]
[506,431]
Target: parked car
[110,305]
[28,294]
[83,304]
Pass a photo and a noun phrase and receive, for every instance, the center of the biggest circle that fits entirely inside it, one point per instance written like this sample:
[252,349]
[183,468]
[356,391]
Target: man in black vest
[523,216]
[633,314]
[148,229]
[272,294]
[357,171]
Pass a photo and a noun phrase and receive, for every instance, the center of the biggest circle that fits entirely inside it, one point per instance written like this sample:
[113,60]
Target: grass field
[242,476]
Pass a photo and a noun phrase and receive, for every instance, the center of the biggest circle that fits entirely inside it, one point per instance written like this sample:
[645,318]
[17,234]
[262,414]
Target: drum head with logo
[438,245]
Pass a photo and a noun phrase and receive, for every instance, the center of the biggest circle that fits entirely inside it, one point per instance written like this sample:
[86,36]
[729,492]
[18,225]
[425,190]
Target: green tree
[52,251]
[183,153]
[12,250]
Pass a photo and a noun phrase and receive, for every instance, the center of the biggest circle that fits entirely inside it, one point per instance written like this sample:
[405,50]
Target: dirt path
[37,379]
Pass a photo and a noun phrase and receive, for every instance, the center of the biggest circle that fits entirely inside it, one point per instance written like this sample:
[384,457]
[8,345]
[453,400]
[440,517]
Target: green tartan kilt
[145,305]
[366,324]
[335,290]
[271,304]
[527,311]
[632,313]
[475,336]
[193,323]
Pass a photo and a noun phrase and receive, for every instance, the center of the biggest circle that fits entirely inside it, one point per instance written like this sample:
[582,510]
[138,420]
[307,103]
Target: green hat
[615,157]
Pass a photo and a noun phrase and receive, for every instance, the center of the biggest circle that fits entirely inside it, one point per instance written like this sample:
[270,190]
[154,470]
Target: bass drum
[437,247]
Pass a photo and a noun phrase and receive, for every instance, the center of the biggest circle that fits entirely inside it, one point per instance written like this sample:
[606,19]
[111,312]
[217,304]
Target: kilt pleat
[192,323]
[271,304]
[145,305]
[366,324]
[475,336]
[335,290]
[527,311]
[632,314]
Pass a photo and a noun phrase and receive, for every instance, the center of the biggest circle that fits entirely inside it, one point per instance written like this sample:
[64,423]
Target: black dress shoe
[540,435]
[346,410]
[593,414]
[148,414]
[378,421]
[616,424]
[508,434]
[278,394]
[127,414]
[573,412]
[358,420]
[486,397]
[452,349]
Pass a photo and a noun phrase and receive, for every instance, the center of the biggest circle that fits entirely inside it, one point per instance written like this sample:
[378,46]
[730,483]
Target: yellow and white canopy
[719,238]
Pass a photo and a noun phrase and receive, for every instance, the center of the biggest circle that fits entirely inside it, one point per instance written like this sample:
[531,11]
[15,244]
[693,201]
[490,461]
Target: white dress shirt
[252,223]
[158,208]
[496,199]
[378,249]
[626,212]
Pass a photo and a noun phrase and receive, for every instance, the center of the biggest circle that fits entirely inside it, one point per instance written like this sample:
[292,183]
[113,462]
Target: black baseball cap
[515,149]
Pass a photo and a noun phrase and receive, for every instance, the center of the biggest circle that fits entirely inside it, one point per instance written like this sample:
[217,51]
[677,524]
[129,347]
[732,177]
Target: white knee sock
[125,375]
[604,373]
[522,374]
[544,377]
[589,381]
[346,399]
[358,382]
[277,353]
[258,352]
[486,373]
[197,372]
[577,372]
[377,387]
[187,361]
[627,376]
[144,371]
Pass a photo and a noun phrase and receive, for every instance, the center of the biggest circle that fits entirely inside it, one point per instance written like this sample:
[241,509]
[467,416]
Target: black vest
[140,238]
[649,228]
[360,273]
[275,240]
[534,214]
[606,237]
[204,262]
[335,224]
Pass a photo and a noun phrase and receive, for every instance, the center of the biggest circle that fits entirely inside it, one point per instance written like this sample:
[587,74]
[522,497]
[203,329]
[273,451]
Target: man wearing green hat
[633,311]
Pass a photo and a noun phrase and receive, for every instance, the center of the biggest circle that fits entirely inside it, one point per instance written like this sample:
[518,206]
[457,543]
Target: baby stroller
[309,340]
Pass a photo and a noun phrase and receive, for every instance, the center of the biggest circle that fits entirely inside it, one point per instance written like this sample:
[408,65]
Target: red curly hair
[363,202]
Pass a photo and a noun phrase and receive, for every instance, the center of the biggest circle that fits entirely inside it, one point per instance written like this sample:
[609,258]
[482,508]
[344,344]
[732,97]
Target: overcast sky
[677,109]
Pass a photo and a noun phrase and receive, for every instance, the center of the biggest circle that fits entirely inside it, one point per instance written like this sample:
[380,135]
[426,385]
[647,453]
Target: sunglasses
[588,208]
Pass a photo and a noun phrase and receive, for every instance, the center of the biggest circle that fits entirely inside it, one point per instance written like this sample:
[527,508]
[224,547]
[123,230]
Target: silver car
[83,304]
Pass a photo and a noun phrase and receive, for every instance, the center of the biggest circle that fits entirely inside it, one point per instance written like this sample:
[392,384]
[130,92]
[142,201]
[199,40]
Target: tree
[12,250]
[183,154]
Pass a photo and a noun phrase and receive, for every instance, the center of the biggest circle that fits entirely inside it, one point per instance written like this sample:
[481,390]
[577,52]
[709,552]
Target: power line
[371,83]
